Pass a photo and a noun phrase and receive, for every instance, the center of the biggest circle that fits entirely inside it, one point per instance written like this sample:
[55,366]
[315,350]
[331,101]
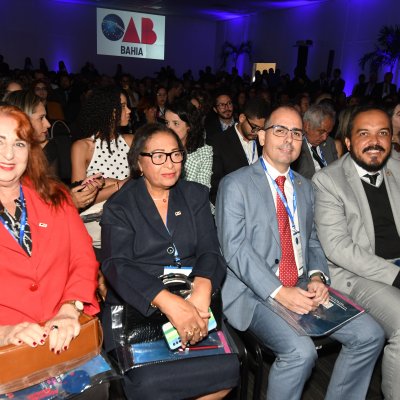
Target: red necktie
[288,274]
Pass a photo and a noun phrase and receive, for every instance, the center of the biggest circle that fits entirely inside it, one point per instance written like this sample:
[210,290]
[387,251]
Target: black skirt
[174,380]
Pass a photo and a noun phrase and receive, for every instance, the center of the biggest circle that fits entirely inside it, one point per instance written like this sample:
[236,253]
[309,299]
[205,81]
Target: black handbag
[137,328]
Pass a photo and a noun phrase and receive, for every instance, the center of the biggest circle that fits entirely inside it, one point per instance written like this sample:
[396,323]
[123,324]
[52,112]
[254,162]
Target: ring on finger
[54,327]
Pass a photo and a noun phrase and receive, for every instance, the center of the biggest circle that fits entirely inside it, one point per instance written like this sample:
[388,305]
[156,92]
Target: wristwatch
[78,305]
[320,275]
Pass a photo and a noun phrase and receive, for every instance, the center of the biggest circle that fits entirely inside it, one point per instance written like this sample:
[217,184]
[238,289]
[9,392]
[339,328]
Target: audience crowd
[155,159]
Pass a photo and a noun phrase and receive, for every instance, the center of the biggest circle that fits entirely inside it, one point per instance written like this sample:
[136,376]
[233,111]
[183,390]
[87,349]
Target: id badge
[298,249]
[173,269]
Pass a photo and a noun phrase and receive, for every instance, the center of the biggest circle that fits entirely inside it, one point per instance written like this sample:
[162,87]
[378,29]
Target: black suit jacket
[136,244]
[228,156]
[378,90]
[213,127]
[304,165]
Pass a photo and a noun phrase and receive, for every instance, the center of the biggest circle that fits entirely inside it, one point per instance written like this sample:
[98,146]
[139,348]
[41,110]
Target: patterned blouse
[198,166]
[14,224]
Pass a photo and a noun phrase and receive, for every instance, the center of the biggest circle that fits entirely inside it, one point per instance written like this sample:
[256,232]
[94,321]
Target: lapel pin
[177,213]
[42,225]
[388,172]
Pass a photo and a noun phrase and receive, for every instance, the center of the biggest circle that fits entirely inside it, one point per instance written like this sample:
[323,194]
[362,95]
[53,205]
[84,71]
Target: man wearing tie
[318,148]
[266,229]
[357,217]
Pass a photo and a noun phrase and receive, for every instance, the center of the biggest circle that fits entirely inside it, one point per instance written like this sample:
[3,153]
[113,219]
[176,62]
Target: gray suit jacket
[304,165]
[249,236]
[344,223]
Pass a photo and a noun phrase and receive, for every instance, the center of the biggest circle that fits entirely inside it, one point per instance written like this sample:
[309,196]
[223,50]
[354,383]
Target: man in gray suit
[318,148]
[272,250]
[357,217]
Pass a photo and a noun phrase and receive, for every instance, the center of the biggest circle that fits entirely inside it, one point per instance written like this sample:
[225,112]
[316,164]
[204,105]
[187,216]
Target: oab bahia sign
[128,34]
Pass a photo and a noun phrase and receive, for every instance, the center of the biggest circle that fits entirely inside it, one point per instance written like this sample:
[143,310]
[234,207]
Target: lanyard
[177,259]
[23,219]
[281,195]
[253,154]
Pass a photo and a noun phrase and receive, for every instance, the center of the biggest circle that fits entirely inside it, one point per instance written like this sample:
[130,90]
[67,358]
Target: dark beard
[368,167]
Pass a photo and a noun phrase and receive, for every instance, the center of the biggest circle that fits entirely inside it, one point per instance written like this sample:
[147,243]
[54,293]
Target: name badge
[173,269]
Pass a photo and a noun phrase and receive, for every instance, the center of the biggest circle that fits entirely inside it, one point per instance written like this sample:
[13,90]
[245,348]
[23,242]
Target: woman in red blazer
[48,271]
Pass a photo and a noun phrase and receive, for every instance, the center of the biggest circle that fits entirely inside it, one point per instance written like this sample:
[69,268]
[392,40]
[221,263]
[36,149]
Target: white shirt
[361,172]
[249,147]
[316,165]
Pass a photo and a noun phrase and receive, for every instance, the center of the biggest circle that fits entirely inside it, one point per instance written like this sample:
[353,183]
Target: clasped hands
[189,317]
[303,301]
[58,332]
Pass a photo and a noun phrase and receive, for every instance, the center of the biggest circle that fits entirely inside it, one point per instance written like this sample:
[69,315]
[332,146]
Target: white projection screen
[129,34]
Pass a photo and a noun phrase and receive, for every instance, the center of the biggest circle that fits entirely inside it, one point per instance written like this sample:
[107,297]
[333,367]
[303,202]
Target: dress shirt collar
[361,172]
[274,173]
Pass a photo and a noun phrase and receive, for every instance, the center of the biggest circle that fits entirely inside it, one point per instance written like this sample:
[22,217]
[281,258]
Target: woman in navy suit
[157,220]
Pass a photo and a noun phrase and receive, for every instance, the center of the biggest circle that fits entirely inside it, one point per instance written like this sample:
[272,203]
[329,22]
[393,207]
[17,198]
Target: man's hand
[297,300]
[320,290]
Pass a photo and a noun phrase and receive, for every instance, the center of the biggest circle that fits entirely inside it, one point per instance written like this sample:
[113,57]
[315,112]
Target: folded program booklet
[324,320]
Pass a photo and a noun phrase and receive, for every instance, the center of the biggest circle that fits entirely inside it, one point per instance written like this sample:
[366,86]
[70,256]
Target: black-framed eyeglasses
[228,104]
[254,128]
[159,157]
[282,131]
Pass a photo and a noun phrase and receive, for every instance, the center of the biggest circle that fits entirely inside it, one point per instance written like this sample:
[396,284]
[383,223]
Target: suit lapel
[356,186]
[392,182]
[237,148]
[262,186]
[176,208]
[301,208]
[149,210]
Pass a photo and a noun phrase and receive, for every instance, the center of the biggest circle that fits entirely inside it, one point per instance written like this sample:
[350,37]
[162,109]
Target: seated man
[318,148]
[238,146]
[358,222]
[272,250]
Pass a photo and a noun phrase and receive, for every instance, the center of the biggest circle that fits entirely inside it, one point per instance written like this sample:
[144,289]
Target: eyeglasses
[224,105]
[254,128]
[159,158]
[282,131]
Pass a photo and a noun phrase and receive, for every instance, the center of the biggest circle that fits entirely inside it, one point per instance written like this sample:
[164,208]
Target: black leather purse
[136,328]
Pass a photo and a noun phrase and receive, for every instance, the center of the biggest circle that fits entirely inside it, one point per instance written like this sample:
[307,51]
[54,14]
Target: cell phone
[171,334]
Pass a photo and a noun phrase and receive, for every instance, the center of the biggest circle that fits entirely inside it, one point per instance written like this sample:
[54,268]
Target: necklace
[164,200]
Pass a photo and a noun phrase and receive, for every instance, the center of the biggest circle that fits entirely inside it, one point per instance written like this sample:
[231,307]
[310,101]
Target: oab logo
[114,29]
[129,34]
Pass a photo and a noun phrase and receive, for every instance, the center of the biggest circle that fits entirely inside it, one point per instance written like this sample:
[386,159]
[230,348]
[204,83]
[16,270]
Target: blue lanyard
[177,259]
[285,203]
[23,219]
[254,152]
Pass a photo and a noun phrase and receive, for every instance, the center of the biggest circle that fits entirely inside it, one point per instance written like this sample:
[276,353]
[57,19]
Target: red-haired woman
[48,269]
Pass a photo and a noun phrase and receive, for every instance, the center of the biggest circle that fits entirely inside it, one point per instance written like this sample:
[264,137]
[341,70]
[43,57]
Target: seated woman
[103,149]
[158,220]
[47,265]
[185,120]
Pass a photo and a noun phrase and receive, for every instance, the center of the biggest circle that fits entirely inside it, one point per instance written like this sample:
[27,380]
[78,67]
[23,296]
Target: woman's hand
[84,195]
[63,328]
[26,332]
[201,298]
[183,315]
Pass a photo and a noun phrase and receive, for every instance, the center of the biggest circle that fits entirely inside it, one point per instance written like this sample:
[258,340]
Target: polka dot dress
[288,274]
[111,165]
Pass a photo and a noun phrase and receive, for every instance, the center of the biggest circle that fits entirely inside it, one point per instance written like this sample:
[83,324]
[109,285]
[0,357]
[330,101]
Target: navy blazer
[136,244]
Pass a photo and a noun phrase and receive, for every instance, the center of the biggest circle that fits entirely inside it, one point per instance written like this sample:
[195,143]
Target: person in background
[161,102]
[238,147]
[103,150]
[152,212]
[185,120]
[33,106]
[318,148]
[40,88]
[147,112]
[47,264]
[394,113]
[220,118]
